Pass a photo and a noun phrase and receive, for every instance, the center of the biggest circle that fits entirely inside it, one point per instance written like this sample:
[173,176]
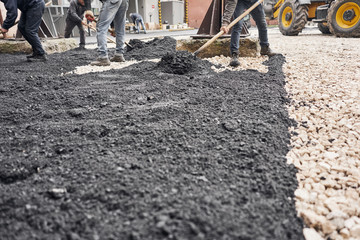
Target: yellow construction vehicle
[339,17]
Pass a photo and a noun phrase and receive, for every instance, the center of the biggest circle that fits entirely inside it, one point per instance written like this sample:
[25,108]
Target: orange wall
[197,10]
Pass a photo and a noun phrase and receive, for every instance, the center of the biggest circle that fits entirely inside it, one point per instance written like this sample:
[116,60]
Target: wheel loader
[338,17]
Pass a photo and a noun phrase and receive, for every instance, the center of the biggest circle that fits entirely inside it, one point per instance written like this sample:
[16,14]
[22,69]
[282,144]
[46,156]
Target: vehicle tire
[292,17]
[344,18]
[323,27]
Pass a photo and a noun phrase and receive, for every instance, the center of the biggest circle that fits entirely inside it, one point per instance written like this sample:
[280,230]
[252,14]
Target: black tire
[323,27]
[338,18]
[292,17]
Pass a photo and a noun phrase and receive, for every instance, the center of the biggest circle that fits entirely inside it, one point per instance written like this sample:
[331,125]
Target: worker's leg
[30,24]
[119,21]
[137,25]
[258,15]
[82,35]
[143,25]
[107,14]
[236,30]
[69,27]
[22,28]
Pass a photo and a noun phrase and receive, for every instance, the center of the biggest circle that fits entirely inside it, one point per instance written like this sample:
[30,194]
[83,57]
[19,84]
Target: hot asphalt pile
[141,153]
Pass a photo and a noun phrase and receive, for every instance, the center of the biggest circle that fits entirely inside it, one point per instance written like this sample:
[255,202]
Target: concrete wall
[197,11]
[148,9]
[173,12]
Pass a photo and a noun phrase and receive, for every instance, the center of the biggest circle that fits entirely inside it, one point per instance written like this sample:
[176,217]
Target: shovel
[229,26]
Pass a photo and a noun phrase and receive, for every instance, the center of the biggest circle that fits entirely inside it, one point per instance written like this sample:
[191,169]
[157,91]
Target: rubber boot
[266,50]
[234,60]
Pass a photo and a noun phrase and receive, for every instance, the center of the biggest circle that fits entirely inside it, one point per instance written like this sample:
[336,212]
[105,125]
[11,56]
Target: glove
[89,15]
[112,32]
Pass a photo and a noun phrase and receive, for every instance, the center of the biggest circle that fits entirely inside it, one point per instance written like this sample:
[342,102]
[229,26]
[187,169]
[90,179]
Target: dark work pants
[259,17]
[70,26]
[29,24]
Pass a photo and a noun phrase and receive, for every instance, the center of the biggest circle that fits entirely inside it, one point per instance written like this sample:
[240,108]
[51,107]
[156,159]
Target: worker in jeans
[30,20]
[235,8]
[111,10]
[136,19]
[75,15]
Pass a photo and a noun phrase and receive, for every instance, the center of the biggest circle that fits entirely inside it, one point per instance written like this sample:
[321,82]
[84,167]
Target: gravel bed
[323,80]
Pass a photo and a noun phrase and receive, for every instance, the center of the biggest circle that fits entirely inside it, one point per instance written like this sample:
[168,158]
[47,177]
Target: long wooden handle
[229,26]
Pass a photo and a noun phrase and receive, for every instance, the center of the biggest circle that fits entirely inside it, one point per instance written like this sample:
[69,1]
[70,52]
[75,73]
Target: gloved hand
[112,32]
[89,15]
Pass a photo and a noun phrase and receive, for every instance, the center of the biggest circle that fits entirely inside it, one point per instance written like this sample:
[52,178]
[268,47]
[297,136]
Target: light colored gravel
[113,65]
[245,63]
[323,80]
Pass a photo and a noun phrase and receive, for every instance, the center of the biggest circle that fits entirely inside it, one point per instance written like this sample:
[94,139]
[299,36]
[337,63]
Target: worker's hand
[112,32]
[3,30]
[225,29]
[89,15]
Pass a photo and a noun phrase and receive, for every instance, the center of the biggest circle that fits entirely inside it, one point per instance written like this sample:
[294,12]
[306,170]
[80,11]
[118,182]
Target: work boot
[266,50]
[234,60]
[101,61]
[37,58]
[117,58]
[31,56]
[81,47]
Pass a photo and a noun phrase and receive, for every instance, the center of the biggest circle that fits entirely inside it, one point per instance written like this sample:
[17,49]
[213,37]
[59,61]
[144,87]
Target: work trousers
[111,10]
[137,21]
[70,26]
[29,24]
[258,15]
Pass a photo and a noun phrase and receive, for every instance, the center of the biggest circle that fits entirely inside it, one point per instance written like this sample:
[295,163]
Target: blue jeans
[111,10]
[137,21]
[29,24]
[258,15]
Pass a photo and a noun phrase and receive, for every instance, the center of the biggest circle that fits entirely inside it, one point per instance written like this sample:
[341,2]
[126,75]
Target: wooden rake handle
[229,26]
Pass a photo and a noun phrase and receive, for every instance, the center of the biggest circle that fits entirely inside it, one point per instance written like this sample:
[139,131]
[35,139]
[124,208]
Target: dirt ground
[144,152]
